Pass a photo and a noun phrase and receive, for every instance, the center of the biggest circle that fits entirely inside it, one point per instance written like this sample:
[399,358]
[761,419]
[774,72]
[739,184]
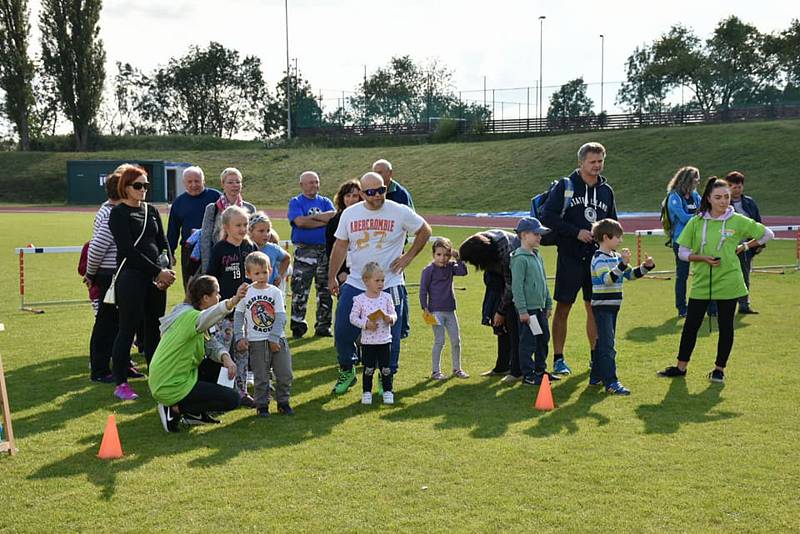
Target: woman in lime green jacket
[185,344]
[712,241]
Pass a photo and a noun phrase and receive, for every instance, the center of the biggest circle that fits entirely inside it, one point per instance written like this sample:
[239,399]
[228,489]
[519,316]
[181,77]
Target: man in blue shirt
[186,216]
[309,213]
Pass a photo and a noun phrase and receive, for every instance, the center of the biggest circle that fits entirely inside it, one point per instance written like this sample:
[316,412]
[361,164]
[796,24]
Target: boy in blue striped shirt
[609,270]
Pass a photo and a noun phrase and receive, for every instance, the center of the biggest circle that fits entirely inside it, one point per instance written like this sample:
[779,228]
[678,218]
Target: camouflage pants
[310,262]
[224,334]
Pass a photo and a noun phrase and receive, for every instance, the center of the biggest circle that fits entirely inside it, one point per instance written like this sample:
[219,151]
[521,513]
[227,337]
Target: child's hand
[649,263]
[454,254]
[242,345]
[228,364]
[240,293]
[548,312]
[371,325]
[389,320]
[524,318]
[626,255]
[274,347]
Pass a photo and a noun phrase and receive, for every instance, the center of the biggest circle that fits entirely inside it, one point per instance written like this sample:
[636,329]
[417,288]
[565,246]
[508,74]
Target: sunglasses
[140,185]
[375,191]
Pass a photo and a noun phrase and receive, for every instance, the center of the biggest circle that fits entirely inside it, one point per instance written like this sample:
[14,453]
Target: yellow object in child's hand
[376,315]
[430,318]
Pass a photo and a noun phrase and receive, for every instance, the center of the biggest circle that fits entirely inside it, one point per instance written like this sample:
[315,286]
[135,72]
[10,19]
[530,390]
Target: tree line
[216,91]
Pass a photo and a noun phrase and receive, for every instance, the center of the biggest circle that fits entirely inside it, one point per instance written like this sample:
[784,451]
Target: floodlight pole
[602,68]
[541,41]
[288,76]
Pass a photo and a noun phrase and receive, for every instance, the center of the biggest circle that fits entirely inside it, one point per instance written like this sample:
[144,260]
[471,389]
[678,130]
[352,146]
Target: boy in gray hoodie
[532,300]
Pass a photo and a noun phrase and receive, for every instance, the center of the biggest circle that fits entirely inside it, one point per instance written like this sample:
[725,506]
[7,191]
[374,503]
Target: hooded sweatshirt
[173,370]
[718,237]
[588,205]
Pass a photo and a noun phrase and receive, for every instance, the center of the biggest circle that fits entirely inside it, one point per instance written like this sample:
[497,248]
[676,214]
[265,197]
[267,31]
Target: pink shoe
[125,392]
[460,373]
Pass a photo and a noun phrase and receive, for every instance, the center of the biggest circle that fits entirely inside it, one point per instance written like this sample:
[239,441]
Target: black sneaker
[299,330]
[716,376]
[133,372]
[247,402]
[262,411]
[323,332]
[285,409]
[105,379]
[202,419]
[671,372]
[169,420]
[747,311]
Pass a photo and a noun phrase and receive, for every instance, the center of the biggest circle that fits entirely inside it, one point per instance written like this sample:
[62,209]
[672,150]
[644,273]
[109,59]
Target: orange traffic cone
[110,447]
[544,399]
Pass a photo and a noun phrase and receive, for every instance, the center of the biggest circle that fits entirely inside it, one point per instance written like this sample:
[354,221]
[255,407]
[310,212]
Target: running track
[631,224]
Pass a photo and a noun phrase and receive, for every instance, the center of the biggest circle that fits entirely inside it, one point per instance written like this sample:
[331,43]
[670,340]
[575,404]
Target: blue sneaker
[560,367]
[618,389]
[595,381]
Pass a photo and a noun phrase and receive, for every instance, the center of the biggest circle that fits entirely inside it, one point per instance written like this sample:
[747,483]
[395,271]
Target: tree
[16,68]
[788,50]
[73,54]
[306,111]
[569,102]
[642,92]
[131,98]
[209,91]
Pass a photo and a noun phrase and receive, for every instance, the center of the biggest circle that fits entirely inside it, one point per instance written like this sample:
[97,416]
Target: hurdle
[22,251]
[760,268]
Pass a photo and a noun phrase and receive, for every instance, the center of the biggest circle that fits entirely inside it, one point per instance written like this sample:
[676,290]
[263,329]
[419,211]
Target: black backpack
[537,203]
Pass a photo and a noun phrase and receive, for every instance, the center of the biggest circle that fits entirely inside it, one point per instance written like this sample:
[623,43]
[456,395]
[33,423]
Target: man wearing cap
[531,300]
[590,199]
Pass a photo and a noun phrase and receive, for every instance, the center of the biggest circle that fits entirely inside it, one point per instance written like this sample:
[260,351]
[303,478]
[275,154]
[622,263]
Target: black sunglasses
[140,185]
[375,191]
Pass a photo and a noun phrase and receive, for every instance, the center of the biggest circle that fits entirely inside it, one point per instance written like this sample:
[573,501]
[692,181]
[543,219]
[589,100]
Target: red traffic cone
[544,399]
[110,447]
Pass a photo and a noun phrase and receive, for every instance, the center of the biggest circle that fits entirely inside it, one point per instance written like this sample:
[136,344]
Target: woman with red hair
[143,273]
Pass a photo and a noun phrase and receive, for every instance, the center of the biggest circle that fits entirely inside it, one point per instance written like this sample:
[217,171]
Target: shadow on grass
[674,325]
[44,384]
[679,407]
[566,416]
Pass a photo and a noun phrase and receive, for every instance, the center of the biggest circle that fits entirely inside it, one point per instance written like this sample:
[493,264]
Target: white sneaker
[388,397]
[366,398]
[510,379]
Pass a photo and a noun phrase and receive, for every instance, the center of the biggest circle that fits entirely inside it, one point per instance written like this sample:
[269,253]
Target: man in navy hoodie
[590,199]
[186,216]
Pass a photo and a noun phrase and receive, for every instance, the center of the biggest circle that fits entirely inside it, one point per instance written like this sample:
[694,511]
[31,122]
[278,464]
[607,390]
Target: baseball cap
[531,224]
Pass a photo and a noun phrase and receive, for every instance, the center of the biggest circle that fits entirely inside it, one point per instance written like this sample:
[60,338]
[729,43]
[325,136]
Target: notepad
[533,324]
[430,318]
[223,379]
[376,315]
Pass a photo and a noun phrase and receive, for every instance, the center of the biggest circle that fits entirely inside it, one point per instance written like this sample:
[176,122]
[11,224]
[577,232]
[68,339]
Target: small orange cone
[110,447]
[544,399]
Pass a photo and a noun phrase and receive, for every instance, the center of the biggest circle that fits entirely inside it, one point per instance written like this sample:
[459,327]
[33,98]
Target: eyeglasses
[140,185]
[375,191]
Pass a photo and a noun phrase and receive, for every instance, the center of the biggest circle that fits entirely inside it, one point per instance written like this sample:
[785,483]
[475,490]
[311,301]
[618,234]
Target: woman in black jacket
[143,274]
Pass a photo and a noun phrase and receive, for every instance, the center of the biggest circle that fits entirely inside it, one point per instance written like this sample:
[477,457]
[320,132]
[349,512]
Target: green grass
[486,176]
[457,456]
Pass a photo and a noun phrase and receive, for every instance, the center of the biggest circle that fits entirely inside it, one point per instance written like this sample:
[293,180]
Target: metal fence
[572,124]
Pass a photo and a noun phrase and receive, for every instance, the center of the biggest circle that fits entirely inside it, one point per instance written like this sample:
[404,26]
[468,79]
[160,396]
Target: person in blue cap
[531,300]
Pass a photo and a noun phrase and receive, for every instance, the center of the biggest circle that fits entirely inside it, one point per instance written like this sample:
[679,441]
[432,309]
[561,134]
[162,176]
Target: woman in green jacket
[175,383]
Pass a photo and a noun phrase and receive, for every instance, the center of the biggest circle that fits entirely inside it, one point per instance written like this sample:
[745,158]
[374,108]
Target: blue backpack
[537,203]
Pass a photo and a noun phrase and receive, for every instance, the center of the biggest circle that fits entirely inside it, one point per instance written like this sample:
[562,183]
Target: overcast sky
[334,40]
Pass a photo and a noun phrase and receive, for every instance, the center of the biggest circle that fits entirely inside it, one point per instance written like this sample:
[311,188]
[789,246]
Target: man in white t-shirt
[372,230]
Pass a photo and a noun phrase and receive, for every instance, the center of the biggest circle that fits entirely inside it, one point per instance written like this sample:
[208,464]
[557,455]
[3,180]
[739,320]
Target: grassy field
[457,456]
[488,176]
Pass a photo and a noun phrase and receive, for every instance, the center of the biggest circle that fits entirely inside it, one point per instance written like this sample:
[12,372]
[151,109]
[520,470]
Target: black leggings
[207,395]
[104,331]
[376,358]
[694,320]
[138,301]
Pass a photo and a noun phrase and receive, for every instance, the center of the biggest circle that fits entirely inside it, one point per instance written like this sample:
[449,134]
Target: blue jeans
[530,344]
[345,334]
[681,277]
[604,365]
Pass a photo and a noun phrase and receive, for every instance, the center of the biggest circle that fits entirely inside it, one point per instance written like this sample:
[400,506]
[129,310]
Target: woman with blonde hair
[682,203]
[231,179]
